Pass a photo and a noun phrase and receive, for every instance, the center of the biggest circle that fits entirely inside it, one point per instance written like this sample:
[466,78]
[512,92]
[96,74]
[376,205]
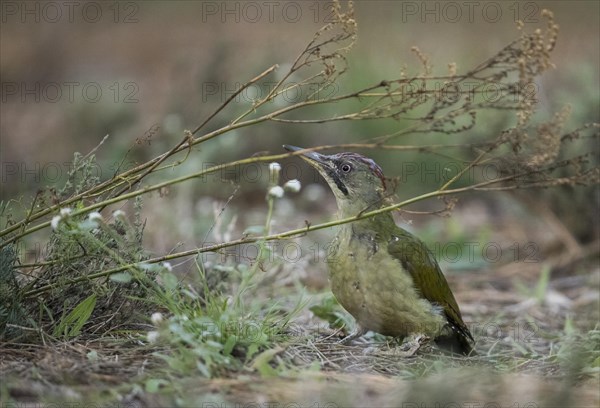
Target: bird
[381,274]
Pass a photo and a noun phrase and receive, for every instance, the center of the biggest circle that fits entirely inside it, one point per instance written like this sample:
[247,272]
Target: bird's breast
[374,288]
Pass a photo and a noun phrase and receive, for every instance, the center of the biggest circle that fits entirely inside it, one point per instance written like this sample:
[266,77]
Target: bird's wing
[428,279]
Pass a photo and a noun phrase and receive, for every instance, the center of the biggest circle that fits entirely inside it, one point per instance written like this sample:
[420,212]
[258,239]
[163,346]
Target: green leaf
[252,349]
[542,284]
[229,345]
[169,281]
[153,385]
[121,277]
[70,325]
[569,328]
[261,362]
[330,311]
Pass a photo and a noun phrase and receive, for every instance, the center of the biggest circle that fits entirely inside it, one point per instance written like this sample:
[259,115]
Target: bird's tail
[456,342]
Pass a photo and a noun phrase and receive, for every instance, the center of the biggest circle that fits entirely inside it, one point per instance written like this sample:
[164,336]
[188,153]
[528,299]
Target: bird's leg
[357,332]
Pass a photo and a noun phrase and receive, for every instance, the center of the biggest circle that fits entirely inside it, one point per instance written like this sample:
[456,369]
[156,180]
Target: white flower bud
[65,212]
[55,221]
[292,185]
[276,191]
[274,169]
[95,216]
[152,336]
[156,318]
[167,266]
[118,213]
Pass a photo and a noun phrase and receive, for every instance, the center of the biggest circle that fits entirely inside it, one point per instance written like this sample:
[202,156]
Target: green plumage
[415,257]
[385,277]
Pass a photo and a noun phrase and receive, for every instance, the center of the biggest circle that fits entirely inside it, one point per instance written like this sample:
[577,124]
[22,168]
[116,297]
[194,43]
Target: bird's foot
[409,347]
[412,344]
[356,333]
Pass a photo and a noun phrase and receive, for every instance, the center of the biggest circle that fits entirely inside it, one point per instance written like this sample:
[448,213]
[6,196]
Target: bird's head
[356,181]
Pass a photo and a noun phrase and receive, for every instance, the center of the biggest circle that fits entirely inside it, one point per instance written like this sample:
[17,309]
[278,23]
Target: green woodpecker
[385,277]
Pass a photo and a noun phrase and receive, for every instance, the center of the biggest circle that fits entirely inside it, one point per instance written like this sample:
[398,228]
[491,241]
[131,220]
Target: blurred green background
[162,67]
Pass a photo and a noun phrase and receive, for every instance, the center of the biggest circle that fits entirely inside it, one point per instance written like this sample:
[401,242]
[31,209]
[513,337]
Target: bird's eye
[346,168]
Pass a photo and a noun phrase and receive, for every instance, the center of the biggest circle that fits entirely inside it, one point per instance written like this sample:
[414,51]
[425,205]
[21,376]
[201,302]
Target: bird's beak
[314,158]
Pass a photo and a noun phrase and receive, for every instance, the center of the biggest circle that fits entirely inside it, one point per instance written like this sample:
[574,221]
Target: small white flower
[152,336]
[274,169]
[276,191]
[55,221]
[292,185]
[167,266]
[65,212]
[156,318]
[95,216]
[118,213]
